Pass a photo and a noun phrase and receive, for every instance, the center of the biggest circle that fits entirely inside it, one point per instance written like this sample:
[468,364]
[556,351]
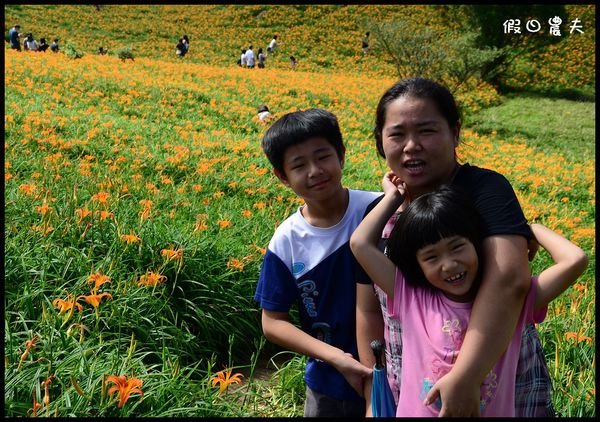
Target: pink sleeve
[540,314]
[393,306]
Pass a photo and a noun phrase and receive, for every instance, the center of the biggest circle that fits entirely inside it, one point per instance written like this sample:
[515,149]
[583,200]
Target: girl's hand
[392,183]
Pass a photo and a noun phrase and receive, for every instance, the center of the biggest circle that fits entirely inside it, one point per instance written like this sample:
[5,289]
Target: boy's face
[312,169]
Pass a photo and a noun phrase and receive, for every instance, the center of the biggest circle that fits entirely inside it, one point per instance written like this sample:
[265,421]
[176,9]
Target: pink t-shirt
[433,329]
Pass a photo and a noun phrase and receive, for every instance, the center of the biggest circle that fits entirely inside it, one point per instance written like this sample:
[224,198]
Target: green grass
[550,125]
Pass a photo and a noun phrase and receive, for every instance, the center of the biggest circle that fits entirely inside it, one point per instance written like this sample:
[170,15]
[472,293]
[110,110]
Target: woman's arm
[570,262]
[505,283]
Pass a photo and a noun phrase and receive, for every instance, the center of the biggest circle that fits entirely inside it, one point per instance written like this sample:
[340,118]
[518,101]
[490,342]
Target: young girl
[431,278]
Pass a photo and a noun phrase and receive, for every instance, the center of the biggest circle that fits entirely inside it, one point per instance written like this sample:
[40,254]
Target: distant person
[25,42]
[261,59]
[13,35]
[272,45]
[293,62]
[54,46]
[250,58]
[43,45]
[242,59]
[186,43]
[264,115]
[101,51]
[30,43]
[365,43]
[180,48]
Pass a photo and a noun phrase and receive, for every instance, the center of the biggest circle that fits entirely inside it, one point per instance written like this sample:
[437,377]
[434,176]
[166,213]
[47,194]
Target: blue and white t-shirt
[314,267]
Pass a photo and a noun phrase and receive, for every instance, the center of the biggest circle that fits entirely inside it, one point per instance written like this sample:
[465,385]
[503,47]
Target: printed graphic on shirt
[308,295]
[455,334]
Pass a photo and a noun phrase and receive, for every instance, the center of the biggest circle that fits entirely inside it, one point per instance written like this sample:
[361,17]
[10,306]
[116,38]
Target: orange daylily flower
[224,223]
[172,254]
[235,264]
[224,378]
[95,299]
[44,208]
[101,197]
[66,305]
[36,406]
[46,385]
[104,214]
[125,387]
[578,337]
[99,279]
[29,344]
[82,213]
[130,238]
[151,279]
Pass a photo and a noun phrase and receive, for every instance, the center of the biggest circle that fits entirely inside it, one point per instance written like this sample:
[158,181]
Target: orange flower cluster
[151,279]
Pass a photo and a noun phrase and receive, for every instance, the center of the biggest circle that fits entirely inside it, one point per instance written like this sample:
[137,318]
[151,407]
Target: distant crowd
[248,59]
[29,42]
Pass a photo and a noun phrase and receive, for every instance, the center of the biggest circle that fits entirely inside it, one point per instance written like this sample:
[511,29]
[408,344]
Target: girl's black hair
[415,88]
[446,212]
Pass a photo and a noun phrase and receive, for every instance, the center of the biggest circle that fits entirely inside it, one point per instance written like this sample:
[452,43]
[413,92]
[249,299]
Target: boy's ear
[281,177]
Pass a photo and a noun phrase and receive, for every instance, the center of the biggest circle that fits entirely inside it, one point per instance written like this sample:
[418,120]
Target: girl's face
[451,265]
[419,144]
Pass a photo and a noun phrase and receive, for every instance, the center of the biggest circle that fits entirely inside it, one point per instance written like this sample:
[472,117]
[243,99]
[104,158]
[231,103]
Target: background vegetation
[138,203]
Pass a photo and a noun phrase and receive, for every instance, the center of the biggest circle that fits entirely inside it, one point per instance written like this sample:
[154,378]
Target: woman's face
[419,144]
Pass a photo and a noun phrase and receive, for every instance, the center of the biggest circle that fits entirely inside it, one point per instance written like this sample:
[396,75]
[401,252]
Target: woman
[417,132]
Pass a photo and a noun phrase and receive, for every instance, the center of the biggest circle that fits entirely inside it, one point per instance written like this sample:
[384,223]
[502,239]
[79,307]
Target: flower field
[138,206]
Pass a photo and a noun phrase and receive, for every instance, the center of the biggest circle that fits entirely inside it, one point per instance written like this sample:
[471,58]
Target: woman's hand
[459,397]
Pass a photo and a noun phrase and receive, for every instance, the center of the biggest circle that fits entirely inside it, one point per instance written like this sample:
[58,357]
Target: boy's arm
[570,262]
[505,283]
[278,329]
[369,327]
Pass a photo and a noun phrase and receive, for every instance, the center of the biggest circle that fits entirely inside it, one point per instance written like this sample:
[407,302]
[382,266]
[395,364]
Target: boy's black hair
[298,127]
[448,211]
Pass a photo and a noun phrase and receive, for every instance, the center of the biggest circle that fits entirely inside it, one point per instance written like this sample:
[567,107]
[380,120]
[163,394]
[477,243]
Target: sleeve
[497,204]
[539,315]
[394,306]
[276,290]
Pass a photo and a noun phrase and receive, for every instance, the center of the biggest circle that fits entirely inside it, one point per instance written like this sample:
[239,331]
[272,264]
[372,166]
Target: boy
[309,261]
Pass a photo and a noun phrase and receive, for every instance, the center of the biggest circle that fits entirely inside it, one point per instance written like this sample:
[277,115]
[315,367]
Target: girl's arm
[569,263]
[364,239]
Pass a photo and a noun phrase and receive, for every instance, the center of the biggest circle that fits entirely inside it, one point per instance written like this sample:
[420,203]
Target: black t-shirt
[495,200]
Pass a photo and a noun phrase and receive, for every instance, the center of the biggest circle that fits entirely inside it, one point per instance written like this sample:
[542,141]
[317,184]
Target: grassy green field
[138,205]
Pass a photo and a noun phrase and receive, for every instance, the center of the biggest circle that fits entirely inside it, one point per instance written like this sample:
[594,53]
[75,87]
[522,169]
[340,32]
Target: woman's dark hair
[298,127]
[415,88]
[446,212]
